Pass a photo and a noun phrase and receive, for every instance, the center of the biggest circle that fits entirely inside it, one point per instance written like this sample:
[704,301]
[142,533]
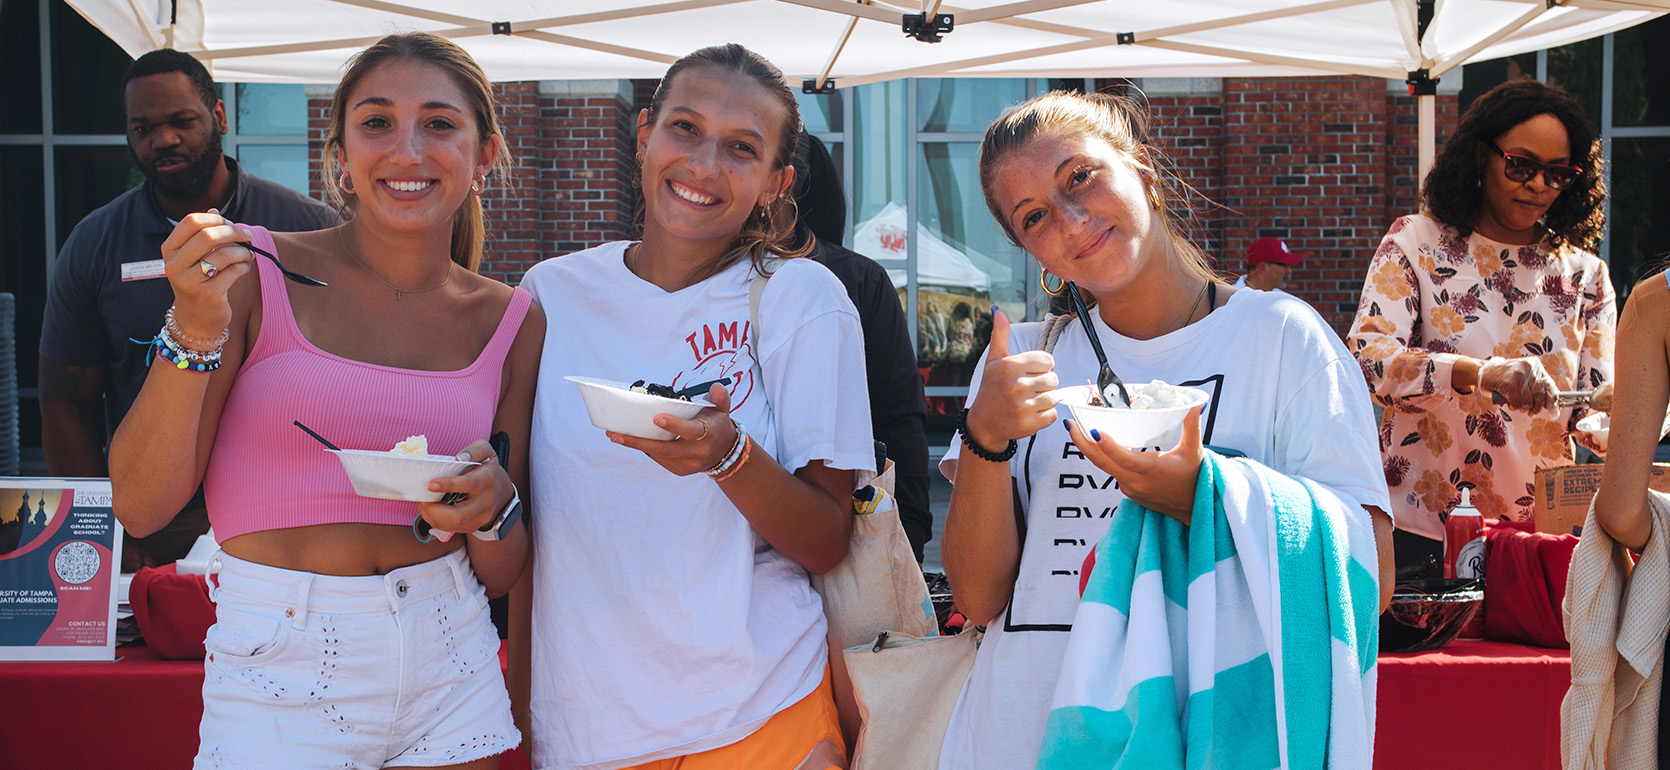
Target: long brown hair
[1117,120]
[469,230]
[769,229]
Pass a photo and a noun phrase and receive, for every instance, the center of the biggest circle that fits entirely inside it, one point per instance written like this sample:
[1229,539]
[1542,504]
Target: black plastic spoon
[288,273]
[319,438]
[700,388]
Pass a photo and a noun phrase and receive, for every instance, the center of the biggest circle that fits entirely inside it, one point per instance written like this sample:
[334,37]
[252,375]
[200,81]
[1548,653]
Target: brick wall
[586,164]
[1188,122]
[1305,162]
[318,120]
[1401,160]
[1325,163]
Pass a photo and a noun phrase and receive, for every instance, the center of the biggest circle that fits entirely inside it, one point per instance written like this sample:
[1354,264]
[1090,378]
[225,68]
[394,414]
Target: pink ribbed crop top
[265,473]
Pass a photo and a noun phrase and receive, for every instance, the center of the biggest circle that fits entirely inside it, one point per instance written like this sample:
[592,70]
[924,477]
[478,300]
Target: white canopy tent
[843,43]
[883,237]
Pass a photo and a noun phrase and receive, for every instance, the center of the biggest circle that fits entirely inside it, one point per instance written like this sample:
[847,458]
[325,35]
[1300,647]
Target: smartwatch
[500,526]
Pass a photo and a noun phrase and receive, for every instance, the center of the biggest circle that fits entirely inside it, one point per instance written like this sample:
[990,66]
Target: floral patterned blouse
[1430,295]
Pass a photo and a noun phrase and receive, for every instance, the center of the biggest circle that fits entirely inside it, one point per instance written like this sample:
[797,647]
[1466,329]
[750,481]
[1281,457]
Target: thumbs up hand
[1011,403]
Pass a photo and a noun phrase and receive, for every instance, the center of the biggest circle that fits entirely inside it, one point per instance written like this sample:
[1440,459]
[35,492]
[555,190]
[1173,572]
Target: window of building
[909,157]
[269,131]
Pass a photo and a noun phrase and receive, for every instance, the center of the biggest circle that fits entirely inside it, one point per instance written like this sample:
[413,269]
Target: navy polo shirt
[107,286]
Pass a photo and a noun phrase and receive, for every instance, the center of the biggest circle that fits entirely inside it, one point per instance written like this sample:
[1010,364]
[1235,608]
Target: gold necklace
[396,289]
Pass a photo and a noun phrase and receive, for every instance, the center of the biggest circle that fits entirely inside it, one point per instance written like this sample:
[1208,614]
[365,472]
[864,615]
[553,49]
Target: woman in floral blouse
[1478,311]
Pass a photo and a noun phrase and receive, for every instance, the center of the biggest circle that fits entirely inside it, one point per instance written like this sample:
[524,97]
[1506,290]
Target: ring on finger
[208,268]
[704,430]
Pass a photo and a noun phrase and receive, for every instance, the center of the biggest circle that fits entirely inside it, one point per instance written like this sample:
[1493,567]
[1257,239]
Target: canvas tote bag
[877,588]
[906,688]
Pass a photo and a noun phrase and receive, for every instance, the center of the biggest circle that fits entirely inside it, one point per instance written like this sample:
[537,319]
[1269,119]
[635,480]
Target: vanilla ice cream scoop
[1155,395]
[413,446]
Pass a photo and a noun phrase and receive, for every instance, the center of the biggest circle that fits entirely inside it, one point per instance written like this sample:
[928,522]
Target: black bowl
[1427,614]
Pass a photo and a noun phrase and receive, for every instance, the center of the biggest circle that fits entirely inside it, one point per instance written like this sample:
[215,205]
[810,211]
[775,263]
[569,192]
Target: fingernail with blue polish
[994,309]
[1095,434]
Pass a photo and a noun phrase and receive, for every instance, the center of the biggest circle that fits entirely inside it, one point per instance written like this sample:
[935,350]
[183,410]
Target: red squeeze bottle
[1464,554]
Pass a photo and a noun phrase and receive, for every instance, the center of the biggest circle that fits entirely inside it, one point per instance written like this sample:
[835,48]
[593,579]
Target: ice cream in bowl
[1598,425]
[631,407]
[1154,419]
[401,473]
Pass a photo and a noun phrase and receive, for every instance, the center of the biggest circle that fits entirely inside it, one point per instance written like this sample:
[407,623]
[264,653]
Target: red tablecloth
[137,712]
[1469,706]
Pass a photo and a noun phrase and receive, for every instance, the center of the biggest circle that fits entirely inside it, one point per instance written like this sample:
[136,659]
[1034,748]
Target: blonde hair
[1117,120]
[769,229]
[469,229]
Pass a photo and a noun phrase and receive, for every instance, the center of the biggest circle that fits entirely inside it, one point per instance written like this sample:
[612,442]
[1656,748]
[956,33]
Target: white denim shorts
[320,671]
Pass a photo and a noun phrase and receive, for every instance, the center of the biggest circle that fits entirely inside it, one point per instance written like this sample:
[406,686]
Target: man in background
[1269,264]
[108,287]
[898,410]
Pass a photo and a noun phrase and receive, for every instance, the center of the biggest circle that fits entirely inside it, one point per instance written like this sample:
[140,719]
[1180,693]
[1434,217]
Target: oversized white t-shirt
[1284,391]
[663,624]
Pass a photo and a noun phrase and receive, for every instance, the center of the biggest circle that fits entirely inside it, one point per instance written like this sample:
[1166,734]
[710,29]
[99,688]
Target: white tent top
[307,41]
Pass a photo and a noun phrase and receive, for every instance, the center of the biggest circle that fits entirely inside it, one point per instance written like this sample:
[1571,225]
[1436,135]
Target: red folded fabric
[1085,568]
[1525,582]
[173,611]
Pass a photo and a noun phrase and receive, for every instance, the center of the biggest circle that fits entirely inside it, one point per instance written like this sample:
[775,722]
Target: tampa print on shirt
[718,350]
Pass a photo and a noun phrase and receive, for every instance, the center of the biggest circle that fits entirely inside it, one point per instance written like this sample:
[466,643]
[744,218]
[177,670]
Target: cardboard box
[1563,494]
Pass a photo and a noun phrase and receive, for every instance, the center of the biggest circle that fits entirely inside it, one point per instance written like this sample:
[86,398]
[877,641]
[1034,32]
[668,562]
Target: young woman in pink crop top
[341,639]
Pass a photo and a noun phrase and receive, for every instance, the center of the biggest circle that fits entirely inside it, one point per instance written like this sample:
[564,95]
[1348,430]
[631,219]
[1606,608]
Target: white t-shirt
[1284,391]
[663,624]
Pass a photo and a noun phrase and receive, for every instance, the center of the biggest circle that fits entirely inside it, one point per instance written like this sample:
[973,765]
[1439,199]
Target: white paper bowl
[1133,428]
[396,477]
[613,405]
[1598,425]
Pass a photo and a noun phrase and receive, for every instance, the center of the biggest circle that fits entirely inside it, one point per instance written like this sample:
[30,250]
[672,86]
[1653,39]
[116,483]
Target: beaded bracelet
[980,451]
[183,357]
[747,447]
[195,343]
[734,458]
[168,352]
[200,356]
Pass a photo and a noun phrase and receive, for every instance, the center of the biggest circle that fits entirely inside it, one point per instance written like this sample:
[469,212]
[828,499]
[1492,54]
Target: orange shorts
[804,736]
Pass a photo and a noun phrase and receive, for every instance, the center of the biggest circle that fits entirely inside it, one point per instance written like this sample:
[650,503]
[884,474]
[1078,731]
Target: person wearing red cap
[1269,264]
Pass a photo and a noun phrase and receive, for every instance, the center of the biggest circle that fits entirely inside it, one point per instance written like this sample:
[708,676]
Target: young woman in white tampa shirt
[672,618]
[1075,180]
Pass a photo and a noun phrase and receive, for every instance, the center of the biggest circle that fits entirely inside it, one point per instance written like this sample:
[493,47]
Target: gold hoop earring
[1043,283]
[1154,196]
[345,184]
[794,211]
[478,185]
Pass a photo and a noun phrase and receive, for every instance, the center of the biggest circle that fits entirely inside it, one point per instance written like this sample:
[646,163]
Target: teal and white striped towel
[1246,640]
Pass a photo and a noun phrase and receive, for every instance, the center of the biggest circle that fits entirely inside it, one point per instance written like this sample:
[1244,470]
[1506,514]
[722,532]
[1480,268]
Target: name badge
[139,271]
